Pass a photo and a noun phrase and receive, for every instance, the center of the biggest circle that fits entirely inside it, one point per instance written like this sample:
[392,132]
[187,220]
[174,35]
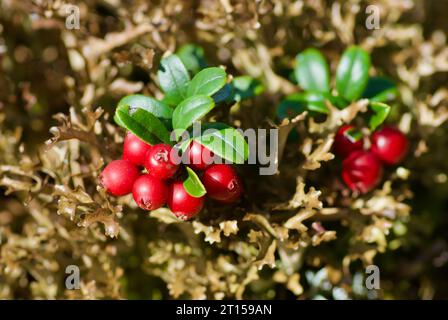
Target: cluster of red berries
[362,169]
[159,184]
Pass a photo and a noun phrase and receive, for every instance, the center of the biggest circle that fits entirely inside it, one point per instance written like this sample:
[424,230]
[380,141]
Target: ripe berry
[149,193]
[344,143]
[135,150]
[159,162]
[361,171]
[389,145]
[183,205]
[119,176]
[222,183]
[200,158]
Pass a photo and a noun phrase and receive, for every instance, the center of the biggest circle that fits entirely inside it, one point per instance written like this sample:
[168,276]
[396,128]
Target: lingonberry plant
[361,169]
[191,90]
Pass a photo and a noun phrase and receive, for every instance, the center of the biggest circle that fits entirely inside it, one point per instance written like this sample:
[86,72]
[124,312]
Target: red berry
[200,158]
[134,149]
[183,205]
[118,177]
[222,183]
[149,193]
[361,171]
[159,162]
[344,143]
[389,145]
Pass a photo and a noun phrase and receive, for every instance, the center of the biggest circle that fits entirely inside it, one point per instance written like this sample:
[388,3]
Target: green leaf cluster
[352,82]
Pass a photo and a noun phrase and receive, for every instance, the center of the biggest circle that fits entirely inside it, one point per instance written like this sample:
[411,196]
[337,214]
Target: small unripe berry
[389,145]
[222,183]
[134,149]
[159,162]
[149,193]
[199,157]
[344,143]
[361,171]
[119,176]
[183,205]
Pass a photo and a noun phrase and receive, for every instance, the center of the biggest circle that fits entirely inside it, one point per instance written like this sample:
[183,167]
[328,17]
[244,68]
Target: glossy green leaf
[193,184]
[224,141]
[192,56]
[315,101]
[143,124]
[190,110]
[311,71]
[173,79]
[380,113]
[352,73]
[245,87]
[380,89]
[207,82]
[157,108]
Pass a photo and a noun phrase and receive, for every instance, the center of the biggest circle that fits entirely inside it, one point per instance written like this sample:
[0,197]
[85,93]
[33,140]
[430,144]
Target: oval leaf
[193,58]
[157,108]
[225,142]
[189,111]
[173,79]
[207,82]
[143,124]
[352,73]
[193,184]
[245,87]
[311,71]
[315,101]
[381,111]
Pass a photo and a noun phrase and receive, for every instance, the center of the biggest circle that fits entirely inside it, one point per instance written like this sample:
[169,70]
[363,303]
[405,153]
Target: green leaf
[311,71]
[193,58]
[291,106]
[193,184]
[173,79]
[224,141]
[380,89]
[157,108]
[352,73]
[380,113]
[245,87]
[118,120]
[190,110]
[224,94]
[207,82]
[316,101]
[143,124]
